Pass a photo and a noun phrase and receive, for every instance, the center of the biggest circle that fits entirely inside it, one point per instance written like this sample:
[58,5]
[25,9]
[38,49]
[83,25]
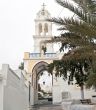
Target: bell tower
[43,31]
[37,61]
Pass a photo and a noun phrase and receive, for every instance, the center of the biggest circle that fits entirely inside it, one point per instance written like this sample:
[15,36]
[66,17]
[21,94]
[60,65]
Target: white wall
[15,92]
[59,86]
[56,93]
[1,95]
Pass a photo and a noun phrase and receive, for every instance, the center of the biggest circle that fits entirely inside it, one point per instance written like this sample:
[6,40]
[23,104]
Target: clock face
[42,13]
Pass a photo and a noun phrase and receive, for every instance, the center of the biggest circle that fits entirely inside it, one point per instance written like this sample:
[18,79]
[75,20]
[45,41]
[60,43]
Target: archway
[41,94]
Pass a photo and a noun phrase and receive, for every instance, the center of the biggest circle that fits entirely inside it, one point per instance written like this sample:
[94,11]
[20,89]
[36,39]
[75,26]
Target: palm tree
[79,39]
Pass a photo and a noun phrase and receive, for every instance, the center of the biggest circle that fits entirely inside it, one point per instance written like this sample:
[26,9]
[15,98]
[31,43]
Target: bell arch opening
[40,29]
[46,29]
[42,83]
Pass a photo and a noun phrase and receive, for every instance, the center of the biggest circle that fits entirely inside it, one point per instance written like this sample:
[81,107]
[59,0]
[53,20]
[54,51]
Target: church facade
[36,62]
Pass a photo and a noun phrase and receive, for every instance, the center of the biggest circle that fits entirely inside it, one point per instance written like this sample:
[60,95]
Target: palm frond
[76,26]
[77,11]
[89,6]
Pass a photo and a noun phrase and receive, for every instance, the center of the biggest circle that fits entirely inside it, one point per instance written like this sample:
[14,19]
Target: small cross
[43,6]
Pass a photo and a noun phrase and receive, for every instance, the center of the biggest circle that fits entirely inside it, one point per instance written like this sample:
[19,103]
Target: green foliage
[44,49]
[50,68]
[91,80]
[70,69]
[79,39]
[21,66]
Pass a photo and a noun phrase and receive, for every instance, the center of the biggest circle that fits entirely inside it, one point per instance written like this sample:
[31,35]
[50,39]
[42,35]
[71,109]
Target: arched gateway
[36,62]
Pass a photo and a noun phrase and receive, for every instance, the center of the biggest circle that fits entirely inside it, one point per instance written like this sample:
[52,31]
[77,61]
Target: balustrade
[38,55]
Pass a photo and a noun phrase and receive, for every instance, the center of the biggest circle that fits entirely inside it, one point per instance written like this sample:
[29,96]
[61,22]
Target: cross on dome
[43,6]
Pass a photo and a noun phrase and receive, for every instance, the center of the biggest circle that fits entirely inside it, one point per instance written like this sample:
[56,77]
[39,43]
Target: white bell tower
[37,62]
[43,31]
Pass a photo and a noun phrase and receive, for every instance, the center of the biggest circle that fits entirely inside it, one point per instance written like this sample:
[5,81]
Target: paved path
[46,107]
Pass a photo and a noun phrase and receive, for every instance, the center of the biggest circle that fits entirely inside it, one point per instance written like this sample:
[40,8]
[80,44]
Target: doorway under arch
[41,94]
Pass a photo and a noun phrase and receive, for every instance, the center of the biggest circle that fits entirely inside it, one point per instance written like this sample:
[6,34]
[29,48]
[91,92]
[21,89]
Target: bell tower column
[43,31]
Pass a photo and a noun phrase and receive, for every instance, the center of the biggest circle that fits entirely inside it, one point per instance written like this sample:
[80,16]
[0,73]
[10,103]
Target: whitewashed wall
[59,86]
[1,91]
[14,94]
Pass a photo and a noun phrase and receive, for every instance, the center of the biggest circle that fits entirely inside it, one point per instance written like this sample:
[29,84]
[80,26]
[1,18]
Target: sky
[45,78]
[17,27]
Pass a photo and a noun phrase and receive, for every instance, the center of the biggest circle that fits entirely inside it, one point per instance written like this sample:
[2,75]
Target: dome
[43,13]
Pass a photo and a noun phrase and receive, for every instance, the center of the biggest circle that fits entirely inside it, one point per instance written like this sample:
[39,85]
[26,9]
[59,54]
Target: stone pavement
[47,107]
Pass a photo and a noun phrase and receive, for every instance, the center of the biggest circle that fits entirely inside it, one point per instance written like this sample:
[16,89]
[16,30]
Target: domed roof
[43,13]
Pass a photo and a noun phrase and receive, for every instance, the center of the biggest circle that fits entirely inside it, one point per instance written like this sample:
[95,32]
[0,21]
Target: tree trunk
[82,92]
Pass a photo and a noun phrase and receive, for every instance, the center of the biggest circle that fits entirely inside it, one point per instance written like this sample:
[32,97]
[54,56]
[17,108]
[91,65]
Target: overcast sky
[17,27]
